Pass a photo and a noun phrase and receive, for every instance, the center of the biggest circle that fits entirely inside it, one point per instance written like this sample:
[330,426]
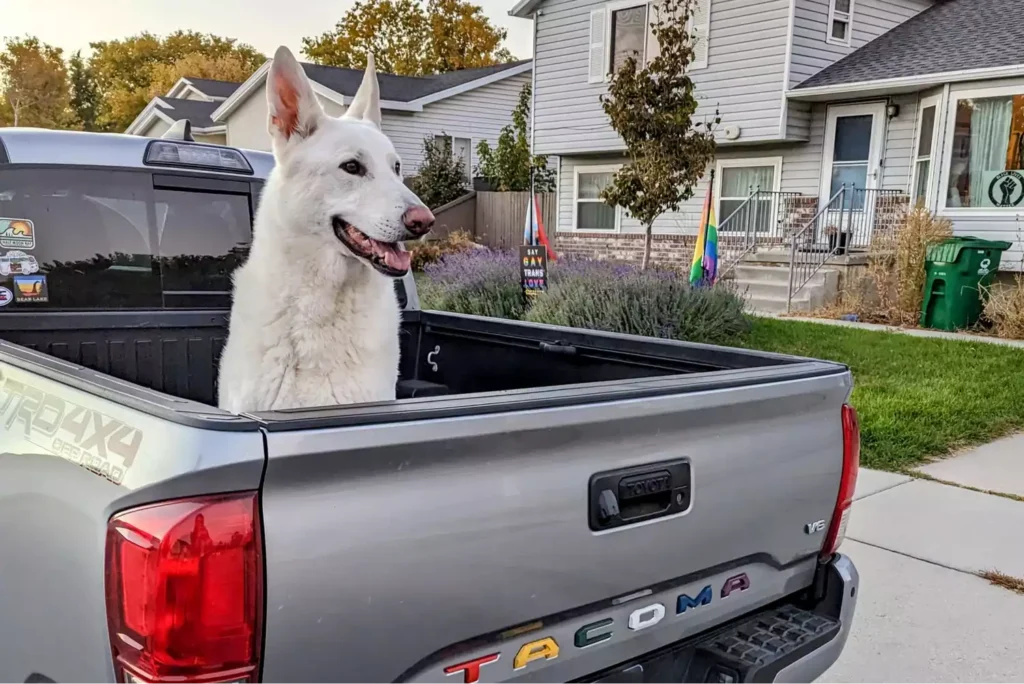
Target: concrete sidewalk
[923,613]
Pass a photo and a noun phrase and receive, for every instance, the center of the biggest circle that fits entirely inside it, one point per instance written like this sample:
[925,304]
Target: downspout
[784,116]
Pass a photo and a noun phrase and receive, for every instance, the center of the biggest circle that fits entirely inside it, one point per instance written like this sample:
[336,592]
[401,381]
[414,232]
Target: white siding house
[467,106]
[814,95]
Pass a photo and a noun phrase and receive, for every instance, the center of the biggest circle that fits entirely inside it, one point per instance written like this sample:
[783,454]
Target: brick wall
[797,212]
[666,250]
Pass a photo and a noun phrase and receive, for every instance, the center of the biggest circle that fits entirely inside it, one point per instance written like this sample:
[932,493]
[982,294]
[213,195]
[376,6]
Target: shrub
[622,298]
[429,251]
[483,282]
[1004,309]
[442,176]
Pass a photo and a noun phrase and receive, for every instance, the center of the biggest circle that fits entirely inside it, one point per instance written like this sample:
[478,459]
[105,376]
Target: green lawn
[918,398]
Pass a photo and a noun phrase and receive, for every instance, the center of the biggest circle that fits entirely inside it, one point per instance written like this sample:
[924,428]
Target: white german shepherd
[315,319]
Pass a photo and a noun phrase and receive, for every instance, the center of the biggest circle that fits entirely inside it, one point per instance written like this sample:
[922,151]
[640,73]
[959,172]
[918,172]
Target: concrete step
[778,274]
[778,304]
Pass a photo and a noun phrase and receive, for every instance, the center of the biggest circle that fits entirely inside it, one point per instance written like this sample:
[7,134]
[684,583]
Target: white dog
[315,320]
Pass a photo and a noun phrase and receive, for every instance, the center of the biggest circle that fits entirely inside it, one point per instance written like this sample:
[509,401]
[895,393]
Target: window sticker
[18,263]
[6,296]
[31,288]
[17,234]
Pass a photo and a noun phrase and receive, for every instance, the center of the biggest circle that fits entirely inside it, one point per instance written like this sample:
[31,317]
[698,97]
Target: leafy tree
[652,107]
[34,89]
[442,176]
[129,71]
[84,96]
[410,40]
[507,167]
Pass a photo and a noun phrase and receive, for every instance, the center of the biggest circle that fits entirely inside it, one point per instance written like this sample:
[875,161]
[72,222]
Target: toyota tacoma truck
[538,504]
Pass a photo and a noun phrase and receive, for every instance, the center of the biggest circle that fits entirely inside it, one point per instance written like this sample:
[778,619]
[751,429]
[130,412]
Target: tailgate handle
[632,495]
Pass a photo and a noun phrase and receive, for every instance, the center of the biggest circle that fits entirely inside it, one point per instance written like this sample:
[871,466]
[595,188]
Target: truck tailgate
[400,551]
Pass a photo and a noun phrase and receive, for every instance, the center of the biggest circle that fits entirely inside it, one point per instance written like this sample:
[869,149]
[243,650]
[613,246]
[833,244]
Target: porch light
[892,110]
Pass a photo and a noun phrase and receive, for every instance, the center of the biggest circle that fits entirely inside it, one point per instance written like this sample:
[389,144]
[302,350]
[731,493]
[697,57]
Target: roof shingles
[196,111]
[955,35]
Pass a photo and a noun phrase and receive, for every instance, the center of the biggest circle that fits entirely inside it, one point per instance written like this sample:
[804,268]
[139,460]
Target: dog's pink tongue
[397,259]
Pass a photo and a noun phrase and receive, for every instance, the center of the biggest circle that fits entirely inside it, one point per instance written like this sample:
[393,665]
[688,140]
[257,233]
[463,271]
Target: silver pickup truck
[539,504]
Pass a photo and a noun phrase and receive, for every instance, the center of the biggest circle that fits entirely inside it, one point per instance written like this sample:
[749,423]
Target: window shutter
[598,62]
[701,30]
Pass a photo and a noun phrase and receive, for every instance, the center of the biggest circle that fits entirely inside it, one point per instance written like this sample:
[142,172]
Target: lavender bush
[583,293]
[622,298]
[483,282]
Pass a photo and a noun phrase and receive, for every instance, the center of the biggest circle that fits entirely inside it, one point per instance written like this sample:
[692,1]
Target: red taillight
[185,590]
[848,482]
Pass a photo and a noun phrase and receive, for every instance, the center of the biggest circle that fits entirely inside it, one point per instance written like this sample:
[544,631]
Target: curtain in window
[990,135]
[741,181]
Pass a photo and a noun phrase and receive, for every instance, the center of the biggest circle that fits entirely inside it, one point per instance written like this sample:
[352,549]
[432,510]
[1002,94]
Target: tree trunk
[647,248]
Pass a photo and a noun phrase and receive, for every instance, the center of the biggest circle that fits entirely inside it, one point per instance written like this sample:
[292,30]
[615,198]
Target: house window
[840,22]
[628,35]
[591,212]
[738,180]
[923,152]
[986,168]
[462,148]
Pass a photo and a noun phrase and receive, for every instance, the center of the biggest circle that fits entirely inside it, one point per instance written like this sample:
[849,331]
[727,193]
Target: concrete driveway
[923,613]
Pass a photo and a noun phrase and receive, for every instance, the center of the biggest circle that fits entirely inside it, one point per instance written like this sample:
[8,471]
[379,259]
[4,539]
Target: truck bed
[443,355]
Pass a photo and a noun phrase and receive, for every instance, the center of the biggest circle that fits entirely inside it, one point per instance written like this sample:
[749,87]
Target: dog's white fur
[311,323]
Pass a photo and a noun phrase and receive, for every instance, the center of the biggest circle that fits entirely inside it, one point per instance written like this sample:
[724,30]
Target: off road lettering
[76,433]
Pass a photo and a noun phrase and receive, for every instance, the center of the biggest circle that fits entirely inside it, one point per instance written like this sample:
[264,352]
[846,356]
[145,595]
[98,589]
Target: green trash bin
[956,270]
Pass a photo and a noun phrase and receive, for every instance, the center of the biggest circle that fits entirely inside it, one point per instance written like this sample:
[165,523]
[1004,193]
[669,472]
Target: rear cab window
[74,239]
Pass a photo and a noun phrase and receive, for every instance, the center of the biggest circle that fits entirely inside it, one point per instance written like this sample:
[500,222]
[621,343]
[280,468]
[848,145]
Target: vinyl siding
[479,114]
[743,80]
[871,18]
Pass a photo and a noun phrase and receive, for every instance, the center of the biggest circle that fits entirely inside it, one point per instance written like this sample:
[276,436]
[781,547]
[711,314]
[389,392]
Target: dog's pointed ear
[366,104]
[294,109]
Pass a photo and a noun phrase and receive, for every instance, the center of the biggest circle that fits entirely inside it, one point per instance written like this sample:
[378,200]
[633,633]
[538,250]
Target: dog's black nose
[418,220]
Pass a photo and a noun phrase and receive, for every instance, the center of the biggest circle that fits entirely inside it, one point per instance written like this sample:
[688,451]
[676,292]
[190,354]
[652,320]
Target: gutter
[909,83]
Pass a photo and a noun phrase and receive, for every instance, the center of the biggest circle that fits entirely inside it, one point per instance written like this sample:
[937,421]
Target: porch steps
[765,288]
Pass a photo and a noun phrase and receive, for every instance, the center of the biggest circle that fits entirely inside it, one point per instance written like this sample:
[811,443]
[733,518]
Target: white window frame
[835,15]
[597,168]
[947,152]
[472,147]
[745,162]
[609,10]
[932,156]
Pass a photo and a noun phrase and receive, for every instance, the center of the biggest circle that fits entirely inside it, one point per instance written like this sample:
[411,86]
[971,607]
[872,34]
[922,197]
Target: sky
[265,24]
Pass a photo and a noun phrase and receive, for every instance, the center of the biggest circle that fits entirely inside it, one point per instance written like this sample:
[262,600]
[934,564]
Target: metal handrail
[811,225]
[748,244]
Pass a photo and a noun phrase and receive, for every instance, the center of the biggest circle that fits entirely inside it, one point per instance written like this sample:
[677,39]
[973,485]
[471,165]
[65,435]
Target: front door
[854,137]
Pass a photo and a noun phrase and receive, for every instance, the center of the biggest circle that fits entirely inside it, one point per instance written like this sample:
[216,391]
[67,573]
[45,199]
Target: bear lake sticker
[31,288]
[6,296]
[17,233]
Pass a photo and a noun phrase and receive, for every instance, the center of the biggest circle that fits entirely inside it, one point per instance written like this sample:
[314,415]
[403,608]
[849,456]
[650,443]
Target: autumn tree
[129,72]
[84,96]
[408,39]
[652,108]
[507,166]
[34,89]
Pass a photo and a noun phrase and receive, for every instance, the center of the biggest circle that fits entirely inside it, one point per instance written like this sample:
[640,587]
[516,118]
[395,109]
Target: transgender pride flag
[704,267]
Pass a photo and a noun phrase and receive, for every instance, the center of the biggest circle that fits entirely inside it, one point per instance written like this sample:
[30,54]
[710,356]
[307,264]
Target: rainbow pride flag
[704,267]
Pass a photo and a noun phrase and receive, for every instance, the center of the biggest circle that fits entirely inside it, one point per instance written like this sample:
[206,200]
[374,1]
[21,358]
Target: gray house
[466,106]
[836,115]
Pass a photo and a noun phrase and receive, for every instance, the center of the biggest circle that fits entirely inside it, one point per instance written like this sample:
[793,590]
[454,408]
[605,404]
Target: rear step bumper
[789,642]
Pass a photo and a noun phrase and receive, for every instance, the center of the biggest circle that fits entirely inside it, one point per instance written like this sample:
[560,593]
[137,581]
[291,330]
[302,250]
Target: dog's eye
[398,169]
[353,167]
